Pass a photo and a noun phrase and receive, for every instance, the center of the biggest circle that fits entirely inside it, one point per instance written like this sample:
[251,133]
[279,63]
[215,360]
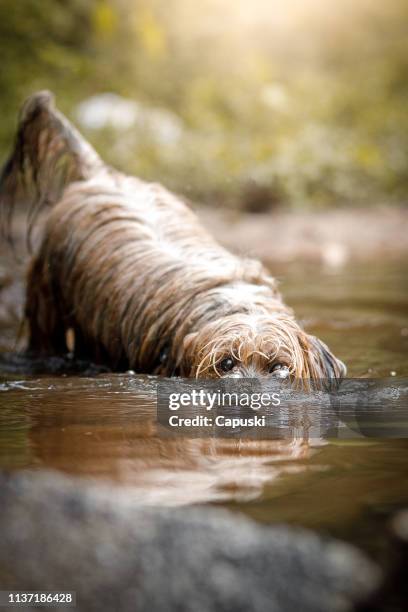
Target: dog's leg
[45,320]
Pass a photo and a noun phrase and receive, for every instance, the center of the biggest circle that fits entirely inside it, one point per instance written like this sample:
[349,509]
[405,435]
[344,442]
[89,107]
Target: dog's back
[124,264]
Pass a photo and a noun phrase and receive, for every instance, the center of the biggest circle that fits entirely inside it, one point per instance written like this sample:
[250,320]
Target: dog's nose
[245,372]
[237,374]
[283,372]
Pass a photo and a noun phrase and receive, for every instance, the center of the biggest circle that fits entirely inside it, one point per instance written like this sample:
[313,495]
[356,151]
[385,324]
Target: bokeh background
[292,104]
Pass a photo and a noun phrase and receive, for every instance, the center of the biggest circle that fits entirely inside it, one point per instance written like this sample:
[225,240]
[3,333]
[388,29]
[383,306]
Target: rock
[58,533]
[392,594]
[400,526]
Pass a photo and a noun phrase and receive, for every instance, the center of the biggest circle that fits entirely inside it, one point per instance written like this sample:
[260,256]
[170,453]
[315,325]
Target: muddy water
[105,427]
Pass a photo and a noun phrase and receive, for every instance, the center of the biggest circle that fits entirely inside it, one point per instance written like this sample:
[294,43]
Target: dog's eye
[276,366]
[227,364]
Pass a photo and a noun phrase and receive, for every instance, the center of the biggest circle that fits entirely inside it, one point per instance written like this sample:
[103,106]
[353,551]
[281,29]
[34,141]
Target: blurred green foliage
[245,104]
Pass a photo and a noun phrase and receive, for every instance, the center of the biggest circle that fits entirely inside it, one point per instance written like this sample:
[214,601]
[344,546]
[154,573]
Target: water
[104,426]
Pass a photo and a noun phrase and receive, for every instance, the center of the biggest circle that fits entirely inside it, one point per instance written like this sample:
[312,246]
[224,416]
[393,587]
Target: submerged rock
[59,533]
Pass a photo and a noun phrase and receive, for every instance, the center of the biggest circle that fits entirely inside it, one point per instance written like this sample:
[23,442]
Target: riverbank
[332,237]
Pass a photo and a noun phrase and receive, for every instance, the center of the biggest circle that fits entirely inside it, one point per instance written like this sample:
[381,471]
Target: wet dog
[126,268]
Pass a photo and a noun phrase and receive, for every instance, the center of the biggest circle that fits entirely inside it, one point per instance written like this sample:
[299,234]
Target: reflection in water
[114,435]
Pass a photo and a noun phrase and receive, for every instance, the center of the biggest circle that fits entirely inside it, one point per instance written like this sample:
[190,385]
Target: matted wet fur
[128,268]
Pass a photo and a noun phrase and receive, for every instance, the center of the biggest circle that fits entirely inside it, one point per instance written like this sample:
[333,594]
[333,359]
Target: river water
[104,426]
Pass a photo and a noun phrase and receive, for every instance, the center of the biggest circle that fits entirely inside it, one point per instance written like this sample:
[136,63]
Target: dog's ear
[322,362]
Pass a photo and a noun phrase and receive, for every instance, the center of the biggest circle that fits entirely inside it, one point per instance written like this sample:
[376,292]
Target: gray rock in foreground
[64,534]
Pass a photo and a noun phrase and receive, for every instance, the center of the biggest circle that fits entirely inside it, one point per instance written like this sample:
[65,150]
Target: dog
[126,268]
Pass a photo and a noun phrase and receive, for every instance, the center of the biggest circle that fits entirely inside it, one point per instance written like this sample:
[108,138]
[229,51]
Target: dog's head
[254,346]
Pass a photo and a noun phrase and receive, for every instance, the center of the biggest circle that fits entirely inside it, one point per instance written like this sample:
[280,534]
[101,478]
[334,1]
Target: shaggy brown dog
[128,267]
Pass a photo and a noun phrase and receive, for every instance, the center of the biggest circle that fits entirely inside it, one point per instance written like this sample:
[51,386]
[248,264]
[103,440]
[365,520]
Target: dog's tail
[48,154]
